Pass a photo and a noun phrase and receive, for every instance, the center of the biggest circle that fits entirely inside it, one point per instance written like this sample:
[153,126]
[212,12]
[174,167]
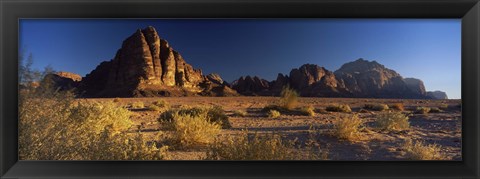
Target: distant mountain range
[147,66]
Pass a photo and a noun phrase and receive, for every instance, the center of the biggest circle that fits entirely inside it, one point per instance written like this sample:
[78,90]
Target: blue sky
[428,49]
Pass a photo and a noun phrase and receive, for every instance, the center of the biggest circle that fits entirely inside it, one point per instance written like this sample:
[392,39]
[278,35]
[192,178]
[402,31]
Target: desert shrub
[347,127]
[160,104]
[266,147]
[189,130]
[213,114]
[443,106]
[339,108]
[307,110]
[419,151]
[376,107]
[83,131]
[273,114]
[288,98]
[154,108]
[95,116]
[422,110]
[435,110]
[398,106]
[240,113]
[392,121]
[137,105]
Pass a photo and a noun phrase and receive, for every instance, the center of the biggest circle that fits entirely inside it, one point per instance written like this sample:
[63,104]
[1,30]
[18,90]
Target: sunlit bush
[273,114]
[398,106]
[376,107]
[392,121]
[347,127]
[213,114]
[338,108]
[240,113]
[288,98]
[422,110]
[190,130]
[308,110]
[419,151]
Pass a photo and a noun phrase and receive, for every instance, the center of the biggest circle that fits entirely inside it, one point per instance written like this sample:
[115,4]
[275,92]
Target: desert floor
[443,129]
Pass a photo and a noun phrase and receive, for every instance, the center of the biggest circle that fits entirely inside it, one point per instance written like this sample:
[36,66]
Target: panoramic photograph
[240,89]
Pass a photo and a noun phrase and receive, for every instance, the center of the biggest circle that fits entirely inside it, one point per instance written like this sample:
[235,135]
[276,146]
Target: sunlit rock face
[146,65]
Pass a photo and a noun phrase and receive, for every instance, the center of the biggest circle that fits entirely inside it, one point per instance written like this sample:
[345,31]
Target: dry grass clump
[419,151]
[443,106]
[83,131]
[265,147]
[435,110]
[189,130]
[154,108]
[339,108]
[392,121]
[376,107]
[161,103]
[422,110]
[213,114]
[137,105]
[398,106]
[347,127]
[307,110]
[288,98]
[273,114]
[240,113]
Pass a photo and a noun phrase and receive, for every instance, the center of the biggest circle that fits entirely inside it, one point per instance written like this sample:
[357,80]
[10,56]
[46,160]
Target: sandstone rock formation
[363,78]
[147,65]
[437,94]
[61,81]
[251,85]
[360,78]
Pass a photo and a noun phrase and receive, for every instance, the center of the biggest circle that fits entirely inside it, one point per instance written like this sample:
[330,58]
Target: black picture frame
[467,10]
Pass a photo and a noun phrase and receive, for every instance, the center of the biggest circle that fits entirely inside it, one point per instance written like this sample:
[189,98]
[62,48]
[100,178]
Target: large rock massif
[359,79]
[147,65]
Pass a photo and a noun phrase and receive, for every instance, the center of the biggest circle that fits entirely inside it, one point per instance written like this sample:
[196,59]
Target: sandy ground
[443,129]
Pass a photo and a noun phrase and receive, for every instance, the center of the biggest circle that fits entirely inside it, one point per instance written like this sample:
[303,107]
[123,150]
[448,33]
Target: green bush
[376,107]
[392,121]
[338,108]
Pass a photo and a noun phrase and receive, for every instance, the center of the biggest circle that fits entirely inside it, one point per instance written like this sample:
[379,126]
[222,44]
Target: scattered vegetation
[213,114]
[154,108]
[288,98]
[240,113]
[273,114]
[419,151]
[137,105]
[422,110]
[398,106]
[376,107]
[160,104]
[339,108]
[435,110]
[307,110]
[348,127]
[443,106]
[192,130]
[392,121]
[266,147]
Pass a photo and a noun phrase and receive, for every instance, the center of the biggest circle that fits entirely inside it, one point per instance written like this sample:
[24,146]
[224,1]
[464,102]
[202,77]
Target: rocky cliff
[437,95]
[147,65]
[360,78]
